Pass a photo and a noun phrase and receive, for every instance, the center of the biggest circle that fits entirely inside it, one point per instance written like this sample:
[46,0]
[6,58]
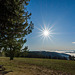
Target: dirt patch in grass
[35,70]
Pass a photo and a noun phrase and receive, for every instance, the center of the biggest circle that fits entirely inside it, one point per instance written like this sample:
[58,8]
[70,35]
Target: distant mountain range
[46,54]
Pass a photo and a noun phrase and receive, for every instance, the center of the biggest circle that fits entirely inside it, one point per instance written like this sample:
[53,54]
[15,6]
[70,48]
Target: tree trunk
[11,57]
[11,54]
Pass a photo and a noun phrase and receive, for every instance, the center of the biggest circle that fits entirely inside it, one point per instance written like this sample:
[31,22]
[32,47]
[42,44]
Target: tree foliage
[14,25]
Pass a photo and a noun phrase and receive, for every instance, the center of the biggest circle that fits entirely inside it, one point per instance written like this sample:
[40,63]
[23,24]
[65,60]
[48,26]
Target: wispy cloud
[73,42]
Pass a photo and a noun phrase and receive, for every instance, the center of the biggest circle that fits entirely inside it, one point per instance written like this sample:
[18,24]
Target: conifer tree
[14,25]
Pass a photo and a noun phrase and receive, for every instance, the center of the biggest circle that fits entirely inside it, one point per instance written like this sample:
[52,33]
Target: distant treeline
[29,54]
[40,55]
[72,57]
[44,56]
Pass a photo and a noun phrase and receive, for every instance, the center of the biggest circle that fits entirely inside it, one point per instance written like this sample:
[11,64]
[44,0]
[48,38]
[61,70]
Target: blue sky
[61,14]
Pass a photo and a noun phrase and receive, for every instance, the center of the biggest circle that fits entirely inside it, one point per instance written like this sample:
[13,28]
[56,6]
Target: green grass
[18,64]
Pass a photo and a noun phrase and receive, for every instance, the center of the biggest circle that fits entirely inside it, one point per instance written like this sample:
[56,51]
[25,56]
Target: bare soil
[35,70]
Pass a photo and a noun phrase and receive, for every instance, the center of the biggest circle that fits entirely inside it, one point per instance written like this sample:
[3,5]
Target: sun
[46,33]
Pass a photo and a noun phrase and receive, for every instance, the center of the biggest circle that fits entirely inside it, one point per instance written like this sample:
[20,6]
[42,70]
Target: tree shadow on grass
[4,72]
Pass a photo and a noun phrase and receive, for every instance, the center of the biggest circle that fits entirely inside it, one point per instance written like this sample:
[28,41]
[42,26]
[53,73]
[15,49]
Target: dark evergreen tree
[14,25]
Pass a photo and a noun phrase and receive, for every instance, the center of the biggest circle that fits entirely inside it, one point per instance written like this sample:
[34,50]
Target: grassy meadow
[37,66]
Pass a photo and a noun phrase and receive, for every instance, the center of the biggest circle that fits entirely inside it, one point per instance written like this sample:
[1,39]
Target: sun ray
[46,32]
